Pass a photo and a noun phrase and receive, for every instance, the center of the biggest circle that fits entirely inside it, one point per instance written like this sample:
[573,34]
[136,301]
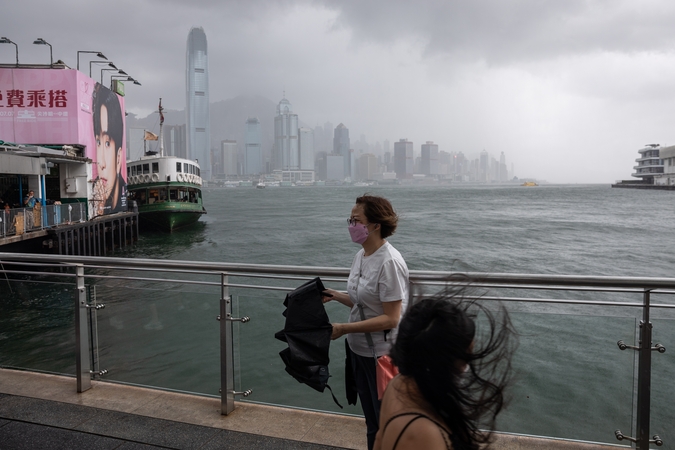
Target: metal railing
[222,275]
[18,221]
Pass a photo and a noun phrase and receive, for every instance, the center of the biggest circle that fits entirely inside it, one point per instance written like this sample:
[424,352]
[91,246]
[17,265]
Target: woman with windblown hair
[453,372]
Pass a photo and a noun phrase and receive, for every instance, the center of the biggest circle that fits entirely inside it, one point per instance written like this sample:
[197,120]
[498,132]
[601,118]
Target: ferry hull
[168,218]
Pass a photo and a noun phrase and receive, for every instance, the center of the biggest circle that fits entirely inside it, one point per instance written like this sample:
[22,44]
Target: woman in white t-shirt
[377,293]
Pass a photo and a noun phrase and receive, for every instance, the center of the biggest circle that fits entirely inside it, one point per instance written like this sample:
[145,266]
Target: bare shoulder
[414,433]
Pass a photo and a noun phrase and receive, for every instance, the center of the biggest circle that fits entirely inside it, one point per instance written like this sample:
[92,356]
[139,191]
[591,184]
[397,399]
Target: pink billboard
[66,107]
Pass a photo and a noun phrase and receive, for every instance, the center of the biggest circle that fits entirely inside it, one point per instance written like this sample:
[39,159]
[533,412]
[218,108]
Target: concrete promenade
[41,411]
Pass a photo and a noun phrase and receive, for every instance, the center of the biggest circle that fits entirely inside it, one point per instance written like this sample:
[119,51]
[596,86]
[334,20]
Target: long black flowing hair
[464,384]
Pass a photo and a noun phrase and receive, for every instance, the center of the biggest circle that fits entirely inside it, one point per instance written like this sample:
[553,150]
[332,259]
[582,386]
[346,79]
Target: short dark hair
[432,345]
[379,210]
[105,97]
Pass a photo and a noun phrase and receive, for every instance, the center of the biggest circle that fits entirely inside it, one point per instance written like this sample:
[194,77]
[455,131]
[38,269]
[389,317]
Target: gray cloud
[549,83]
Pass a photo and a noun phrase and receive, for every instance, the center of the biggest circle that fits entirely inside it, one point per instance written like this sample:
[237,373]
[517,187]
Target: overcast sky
[569,90]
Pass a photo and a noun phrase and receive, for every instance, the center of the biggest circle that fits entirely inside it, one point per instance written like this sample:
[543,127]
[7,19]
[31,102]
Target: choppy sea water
[571,379]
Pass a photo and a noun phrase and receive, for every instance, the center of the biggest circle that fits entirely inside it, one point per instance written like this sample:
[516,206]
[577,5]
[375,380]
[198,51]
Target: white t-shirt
[380,277]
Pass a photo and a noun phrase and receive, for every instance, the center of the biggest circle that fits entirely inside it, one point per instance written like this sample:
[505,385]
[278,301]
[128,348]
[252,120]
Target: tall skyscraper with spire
[286,150]
[197,100]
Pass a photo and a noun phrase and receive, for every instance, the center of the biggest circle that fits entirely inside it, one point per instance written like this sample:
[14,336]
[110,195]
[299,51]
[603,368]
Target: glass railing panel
[262,369]
[161,335]
[663,373]
[37,330]
[571,379]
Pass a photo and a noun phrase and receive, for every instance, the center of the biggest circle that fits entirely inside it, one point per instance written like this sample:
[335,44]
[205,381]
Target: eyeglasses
[353,222]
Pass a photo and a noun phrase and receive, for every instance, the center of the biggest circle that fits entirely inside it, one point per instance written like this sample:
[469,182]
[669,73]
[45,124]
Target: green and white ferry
[167,189]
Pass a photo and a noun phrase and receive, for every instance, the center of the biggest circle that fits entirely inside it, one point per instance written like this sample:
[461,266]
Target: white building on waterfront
[667,157]
[197,101]
[649,164]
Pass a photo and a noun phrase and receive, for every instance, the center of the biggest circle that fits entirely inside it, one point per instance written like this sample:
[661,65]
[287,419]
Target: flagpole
[161,124]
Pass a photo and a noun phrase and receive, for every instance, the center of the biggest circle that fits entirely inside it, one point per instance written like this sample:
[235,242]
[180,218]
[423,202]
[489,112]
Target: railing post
[644,377]
[83,363]
[226,349]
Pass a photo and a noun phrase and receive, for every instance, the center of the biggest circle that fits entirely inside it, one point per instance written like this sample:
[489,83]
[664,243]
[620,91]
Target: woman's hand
[338,331]
[331,294]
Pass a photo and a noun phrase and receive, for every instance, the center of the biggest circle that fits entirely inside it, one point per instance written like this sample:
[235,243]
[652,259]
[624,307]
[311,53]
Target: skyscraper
[403,159]
[197,101]
[306,148]
[253,147]
[429,164]
[286,152]
[228,157]
[341,147]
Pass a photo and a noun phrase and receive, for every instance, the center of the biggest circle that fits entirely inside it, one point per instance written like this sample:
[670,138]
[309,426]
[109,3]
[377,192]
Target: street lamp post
[98,54]
[100,62]
[120,71]
[123,78]
[4,40]
[40,41]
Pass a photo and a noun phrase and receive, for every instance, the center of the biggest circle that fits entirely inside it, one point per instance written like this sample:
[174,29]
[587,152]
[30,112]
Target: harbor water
[571,379]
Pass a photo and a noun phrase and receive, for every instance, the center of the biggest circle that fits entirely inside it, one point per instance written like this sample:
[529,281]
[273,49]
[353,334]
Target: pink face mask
[358,232]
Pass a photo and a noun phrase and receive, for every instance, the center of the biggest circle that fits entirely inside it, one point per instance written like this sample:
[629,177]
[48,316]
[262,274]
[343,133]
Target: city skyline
[549,84]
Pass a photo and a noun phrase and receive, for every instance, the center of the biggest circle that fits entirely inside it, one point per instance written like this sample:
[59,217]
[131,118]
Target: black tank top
[444,432]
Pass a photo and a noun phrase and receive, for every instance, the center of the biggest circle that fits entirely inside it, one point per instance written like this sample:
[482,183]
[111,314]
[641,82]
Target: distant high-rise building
[253,160]
[286,152]
[335,167]
[341,147]
[483,170]
[228,157]
[306,148]
[175,140]
[327,137]
[367,166]
[503,171]
[429,162]
[403,159]
[197,101]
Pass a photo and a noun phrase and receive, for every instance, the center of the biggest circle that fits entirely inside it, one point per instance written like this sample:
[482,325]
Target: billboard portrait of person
[109,188]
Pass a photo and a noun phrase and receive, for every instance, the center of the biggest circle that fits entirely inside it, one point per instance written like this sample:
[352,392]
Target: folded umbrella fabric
[307,332]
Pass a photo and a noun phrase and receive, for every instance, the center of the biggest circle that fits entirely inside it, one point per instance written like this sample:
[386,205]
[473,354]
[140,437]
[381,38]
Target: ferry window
[162,195]
[199,172]
[140,197]
[128,171]
[133,170]
[173,195]
[146,168]
[182,195]
[192,168]
[185,168]
[154,196]
[155,167]
[178,166]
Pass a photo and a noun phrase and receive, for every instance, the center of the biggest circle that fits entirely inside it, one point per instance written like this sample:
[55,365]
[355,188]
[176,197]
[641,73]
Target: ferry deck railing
[222,275]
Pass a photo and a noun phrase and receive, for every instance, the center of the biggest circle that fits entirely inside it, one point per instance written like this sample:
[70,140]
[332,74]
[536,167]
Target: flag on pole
[161,114]
[150,136]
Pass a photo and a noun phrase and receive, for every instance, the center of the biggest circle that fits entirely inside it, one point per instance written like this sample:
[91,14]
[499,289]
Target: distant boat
[260,185]
[166,189]
[529,183]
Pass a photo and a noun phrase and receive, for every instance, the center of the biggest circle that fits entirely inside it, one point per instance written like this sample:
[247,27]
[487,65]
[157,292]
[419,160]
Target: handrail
[645,286]
[415,275]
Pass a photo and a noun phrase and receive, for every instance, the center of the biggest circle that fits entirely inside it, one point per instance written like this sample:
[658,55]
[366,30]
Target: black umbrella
[307,333]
